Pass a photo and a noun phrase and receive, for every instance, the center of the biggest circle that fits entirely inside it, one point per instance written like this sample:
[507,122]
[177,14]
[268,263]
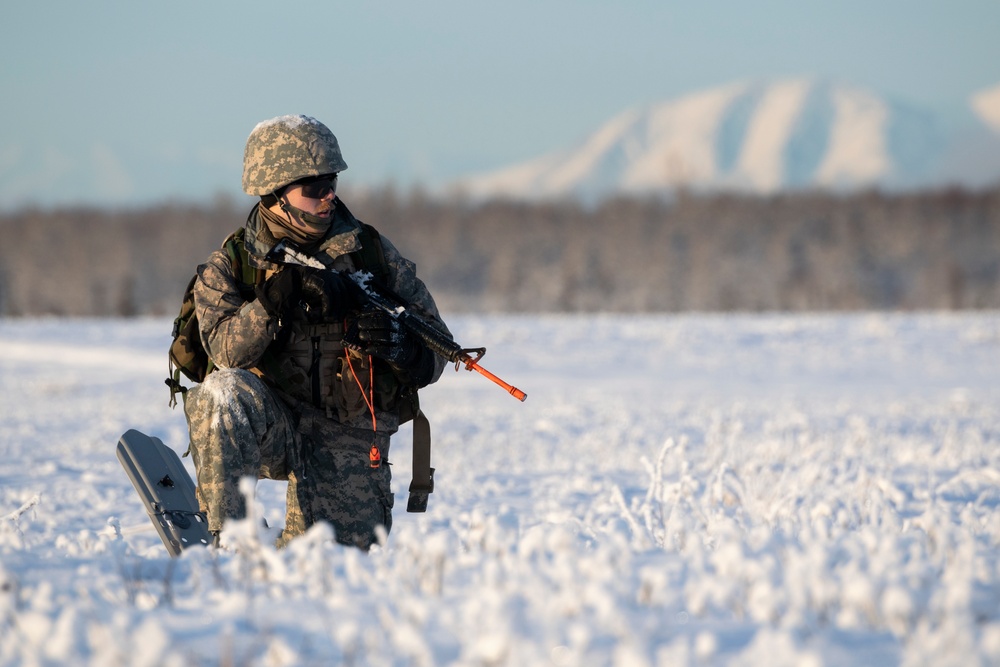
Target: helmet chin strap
[315,222]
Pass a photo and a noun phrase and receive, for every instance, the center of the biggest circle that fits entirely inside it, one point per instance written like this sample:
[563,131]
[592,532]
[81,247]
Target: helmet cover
[285,149]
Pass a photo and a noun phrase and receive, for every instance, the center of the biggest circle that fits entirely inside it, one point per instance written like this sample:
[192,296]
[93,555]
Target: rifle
[396,307]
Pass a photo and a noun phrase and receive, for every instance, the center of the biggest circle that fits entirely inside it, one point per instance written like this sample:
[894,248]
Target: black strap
[422,484]
[371,256]
[246,274]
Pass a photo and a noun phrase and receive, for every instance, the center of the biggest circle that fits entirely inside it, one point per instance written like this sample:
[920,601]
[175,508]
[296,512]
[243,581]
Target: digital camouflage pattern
[257,418]
[242,429]
[285,149]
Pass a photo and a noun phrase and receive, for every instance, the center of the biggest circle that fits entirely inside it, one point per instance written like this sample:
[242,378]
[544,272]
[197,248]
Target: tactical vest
[189,357]
[310,363]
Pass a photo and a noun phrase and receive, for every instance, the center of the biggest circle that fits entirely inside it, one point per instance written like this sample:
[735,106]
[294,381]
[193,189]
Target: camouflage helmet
[288,148]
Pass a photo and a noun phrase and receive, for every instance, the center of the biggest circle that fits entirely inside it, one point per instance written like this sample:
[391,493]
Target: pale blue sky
[134,102]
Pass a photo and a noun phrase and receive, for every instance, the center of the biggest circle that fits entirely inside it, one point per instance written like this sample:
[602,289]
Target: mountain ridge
[749,136]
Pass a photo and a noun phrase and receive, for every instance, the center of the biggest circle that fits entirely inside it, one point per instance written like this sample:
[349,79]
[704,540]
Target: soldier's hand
[384,337]
[279,294]
[304,293]
[327,295]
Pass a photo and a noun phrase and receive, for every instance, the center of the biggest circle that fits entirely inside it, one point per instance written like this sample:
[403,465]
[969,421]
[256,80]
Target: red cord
[374,455]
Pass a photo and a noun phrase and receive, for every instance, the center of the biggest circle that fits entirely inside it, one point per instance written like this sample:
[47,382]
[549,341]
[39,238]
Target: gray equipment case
[166,490]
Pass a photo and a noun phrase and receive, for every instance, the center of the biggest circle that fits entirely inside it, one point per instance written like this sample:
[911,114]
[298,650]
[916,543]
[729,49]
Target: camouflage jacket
[238,333]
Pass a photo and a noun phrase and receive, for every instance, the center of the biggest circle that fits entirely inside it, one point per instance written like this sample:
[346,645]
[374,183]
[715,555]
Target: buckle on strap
[420,494]
[422,484]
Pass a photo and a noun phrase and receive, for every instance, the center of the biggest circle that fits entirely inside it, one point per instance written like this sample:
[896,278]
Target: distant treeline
[794,252]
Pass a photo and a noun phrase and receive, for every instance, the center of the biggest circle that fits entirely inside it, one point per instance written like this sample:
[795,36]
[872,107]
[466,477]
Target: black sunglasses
[318,187]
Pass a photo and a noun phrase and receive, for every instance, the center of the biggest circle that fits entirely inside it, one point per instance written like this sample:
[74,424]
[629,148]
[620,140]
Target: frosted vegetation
[677,490]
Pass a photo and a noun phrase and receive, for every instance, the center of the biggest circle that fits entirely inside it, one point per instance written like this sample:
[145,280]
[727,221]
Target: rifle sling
[423,474]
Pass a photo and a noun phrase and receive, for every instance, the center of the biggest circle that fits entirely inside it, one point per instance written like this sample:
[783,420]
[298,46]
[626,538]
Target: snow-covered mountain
[986,104]
[748,136]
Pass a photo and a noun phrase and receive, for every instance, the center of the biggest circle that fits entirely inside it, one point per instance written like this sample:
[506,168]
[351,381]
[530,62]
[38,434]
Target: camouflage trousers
[241,427]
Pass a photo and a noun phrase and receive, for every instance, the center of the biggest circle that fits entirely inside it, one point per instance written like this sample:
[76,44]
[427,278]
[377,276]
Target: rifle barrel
[452,351]
[470,364]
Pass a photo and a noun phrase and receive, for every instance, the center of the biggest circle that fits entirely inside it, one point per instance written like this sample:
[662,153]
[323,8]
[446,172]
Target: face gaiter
[280,225]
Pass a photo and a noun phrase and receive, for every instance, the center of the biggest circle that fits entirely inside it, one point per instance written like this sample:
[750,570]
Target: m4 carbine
[384,299]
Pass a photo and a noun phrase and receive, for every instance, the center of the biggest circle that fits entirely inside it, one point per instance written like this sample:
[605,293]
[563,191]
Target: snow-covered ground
[703,490]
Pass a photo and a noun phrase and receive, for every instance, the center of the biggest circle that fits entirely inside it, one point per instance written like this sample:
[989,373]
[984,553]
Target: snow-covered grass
[691,490]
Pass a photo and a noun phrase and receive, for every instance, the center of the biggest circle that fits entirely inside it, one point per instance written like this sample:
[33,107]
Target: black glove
[315,295]
[328,295]
[280,293]
[384,337]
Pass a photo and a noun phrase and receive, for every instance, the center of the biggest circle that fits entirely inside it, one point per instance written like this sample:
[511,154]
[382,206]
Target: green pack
[188,356]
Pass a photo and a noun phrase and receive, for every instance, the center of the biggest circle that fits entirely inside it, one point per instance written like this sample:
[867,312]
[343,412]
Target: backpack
[187,355]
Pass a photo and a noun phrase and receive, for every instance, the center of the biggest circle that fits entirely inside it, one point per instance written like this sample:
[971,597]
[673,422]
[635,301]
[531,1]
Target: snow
[291,121]
[676,490]
[986,104]
[858,150]
[681,140]
[761,163]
